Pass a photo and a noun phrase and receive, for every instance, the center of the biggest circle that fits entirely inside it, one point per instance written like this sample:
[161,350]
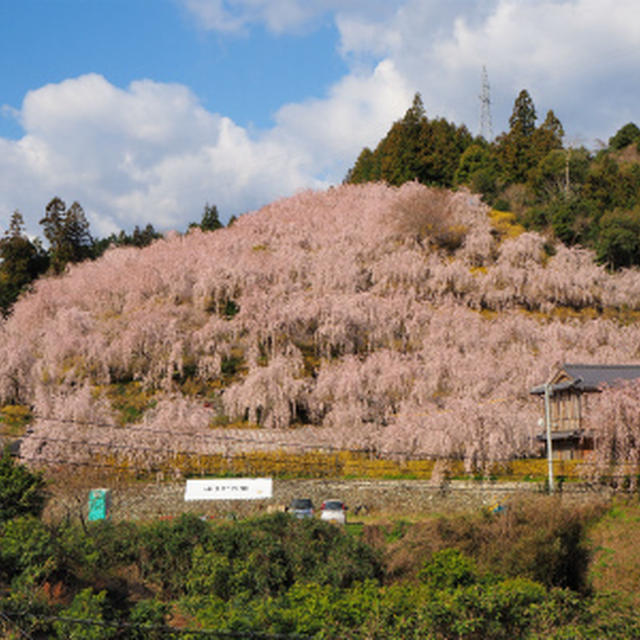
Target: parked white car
[334,511]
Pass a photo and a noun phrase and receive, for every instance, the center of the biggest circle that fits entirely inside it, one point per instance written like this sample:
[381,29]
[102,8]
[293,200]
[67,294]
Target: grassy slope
[616,562]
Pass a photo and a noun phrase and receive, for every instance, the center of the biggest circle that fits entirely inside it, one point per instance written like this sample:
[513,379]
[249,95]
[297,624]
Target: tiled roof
[591,377]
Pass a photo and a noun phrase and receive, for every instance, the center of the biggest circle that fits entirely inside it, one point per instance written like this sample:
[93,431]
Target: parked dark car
[301,508]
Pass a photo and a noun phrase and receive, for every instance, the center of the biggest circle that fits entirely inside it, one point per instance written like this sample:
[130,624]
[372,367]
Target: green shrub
[165,552]
[505,610]
[22,492]
[537,538]
[447,569]
[27,548]
[88,608]
[96,553]
[211,574]
[266,556]
[548,544]
[146,615]
[116,543]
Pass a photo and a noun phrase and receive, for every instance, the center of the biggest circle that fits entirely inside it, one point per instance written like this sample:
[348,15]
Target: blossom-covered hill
[364,316]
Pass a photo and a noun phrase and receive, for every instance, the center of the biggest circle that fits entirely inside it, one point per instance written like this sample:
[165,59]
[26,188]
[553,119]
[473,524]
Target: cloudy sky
[143,110]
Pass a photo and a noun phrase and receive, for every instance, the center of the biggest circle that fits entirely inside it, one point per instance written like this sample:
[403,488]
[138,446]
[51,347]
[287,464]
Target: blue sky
[143,110]
[247,76]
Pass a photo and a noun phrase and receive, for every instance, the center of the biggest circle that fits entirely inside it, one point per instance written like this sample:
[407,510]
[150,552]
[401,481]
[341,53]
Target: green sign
[99,500]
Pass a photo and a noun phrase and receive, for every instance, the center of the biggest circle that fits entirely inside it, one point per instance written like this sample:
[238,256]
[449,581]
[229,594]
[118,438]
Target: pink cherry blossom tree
[340,318]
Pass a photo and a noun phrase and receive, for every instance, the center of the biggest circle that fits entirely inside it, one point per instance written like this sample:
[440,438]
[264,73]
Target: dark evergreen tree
[479,169]
[53,221]
[605,184]
[138,238]
[22,261]
[573,219]
[618,243]
[440,146]
[364,170]
[414,149]
[625,136]
[68,234]
[522,121]
[516,148]
[76,237]
[142,237]
[210,220]
[546,138]
[398,153]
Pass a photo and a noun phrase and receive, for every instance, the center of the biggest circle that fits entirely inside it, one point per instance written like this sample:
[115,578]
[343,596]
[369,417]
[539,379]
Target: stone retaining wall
[393,497]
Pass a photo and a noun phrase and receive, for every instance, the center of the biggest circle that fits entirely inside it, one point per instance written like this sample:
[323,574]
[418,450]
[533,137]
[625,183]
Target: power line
[198,455]
[225,438]
[328,450]
[319,448]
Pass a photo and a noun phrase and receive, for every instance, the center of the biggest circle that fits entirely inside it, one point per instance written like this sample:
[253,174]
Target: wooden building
[567,388]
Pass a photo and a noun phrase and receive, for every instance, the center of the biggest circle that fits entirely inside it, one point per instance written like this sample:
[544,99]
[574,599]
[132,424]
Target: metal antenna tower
[486,127]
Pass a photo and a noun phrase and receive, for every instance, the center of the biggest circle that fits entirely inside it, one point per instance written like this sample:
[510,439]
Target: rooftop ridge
[600,366]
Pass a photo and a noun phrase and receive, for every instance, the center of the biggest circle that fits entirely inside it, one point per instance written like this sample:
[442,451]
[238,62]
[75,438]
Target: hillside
[402,320]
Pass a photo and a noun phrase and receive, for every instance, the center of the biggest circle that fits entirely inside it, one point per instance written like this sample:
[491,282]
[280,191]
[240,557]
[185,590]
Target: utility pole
[547,420]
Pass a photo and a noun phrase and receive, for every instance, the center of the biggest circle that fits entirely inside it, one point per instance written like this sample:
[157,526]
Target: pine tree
[21,262]
[516,148]
[142,237]
[210,219]
[415,148]
[523,118]
[67,232]
[625,136]
[364,170]
[546,138]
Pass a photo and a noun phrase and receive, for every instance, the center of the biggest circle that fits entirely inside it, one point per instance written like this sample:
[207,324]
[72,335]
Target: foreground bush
[22,492]
[257,557]
[538,538]
[471,579]
[482,607]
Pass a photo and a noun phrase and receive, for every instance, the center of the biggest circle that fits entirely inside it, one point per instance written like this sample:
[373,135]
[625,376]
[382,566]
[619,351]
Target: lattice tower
[486,127]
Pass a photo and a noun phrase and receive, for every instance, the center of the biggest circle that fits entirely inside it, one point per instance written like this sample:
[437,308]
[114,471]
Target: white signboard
[229,489]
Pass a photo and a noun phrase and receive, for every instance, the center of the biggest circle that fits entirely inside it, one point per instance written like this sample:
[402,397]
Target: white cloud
[146,153]
[152,152]
[357,112]
[575,56]
[278,16]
